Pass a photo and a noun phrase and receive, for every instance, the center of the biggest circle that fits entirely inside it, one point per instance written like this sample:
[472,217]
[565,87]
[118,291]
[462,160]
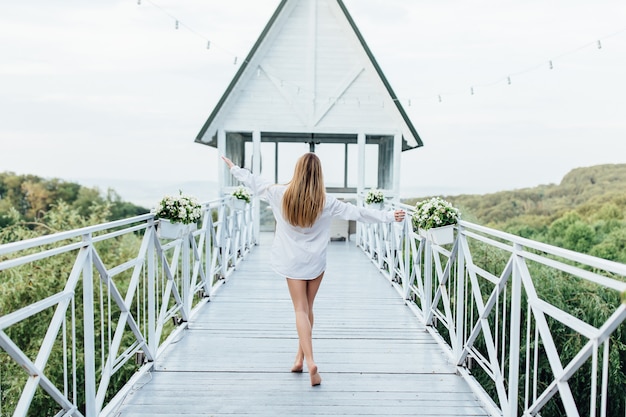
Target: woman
[303,215]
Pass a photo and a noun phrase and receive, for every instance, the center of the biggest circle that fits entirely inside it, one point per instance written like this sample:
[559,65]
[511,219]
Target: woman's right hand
[228,162]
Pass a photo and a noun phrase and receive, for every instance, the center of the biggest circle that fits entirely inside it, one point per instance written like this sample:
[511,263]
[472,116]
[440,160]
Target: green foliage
[31,207]
[586,212]
[32,197]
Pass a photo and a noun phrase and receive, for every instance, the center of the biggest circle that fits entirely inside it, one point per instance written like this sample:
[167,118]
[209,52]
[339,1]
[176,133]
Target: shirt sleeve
[257,184]
[349,211]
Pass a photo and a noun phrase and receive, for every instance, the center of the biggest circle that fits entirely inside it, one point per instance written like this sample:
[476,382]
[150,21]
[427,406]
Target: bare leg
[303,295]
[299,363]
[311,293]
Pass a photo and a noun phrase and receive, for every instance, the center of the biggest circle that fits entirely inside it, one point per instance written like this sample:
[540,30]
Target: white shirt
[300,252]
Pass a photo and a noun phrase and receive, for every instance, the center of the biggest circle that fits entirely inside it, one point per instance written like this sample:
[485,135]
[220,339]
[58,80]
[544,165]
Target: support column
[397,152]
[222,171]
[256,167]
[360,187]
[360,141]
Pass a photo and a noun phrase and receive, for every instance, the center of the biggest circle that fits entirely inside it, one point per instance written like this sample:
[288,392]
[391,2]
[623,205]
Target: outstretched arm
[348,211]
[258,185]
[228,162]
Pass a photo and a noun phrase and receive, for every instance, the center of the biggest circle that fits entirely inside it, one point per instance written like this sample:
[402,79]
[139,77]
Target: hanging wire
[181,24]
[597,43]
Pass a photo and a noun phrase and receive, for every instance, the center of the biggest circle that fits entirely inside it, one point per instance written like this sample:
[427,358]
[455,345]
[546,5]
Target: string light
[597,43]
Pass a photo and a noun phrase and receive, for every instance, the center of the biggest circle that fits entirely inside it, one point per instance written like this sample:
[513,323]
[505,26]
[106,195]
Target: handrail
[482,295]
[111,309]
[492,299]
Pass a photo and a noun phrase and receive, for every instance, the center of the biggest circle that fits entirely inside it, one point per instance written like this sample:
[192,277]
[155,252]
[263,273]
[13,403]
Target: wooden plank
[375,357]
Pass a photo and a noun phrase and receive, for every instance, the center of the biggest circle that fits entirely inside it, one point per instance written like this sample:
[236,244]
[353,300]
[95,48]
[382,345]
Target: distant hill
[149,193]
[583,190]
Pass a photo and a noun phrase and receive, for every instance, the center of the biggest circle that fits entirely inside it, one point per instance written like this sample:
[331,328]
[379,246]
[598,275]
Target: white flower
[242,193]
[374,196]
[180,209]
[434,213]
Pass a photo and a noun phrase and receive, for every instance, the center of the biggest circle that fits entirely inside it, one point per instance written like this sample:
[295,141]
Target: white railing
[535,329]
[113,314]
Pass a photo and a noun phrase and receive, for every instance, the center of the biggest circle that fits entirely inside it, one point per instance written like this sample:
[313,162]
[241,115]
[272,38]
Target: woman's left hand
[398,215]
[228,162]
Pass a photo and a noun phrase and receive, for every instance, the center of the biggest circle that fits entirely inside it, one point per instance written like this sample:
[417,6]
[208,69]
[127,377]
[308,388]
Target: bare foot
[316,379]
[298,365]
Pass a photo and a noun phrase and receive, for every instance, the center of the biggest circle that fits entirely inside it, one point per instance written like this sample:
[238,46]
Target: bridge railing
[535,329]
[120,294]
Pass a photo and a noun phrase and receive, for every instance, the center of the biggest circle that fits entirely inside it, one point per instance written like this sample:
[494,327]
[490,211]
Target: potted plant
[435,219]
[178,215]
[242,197]
[375,198]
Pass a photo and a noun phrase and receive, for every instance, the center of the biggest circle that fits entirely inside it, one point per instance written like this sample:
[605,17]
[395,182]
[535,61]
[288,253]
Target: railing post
[460,297]
[514,347]
[404,242]
[89,331]
[187,296]
[390,246]
[153,343]
[428,280]
[222,230]
[208,260]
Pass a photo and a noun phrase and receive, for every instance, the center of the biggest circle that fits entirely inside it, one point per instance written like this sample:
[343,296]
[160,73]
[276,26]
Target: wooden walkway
[374,356]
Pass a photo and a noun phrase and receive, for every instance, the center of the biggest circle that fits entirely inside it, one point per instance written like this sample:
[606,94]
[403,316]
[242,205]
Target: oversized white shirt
[300,252]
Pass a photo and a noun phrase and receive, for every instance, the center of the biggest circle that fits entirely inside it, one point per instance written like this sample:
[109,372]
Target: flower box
[439,235]
[374,197]
[177,211]
[376,206]
[241,197]
[169,230]
[435,220]
[239,204]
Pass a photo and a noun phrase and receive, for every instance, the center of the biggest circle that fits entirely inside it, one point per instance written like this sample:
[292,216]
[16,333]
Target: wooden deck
[374,356]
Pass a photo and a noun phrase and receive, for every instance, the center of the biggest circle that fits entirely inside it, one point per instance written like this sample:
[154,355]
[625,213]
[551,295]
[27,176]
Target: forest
[586,213]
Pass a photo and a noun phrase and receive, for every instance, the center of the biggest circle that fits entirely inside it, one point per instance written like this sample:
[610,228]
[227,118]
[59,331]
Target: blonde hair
[305,196]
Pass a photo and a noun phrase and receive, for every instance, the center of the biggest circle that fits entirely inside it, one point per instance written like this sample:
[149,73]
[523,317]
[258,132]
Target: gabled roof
[256,61]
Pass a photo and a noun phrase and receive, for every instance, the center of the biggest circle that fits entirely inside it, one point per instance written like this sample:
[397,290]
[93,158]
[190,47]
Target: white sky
[111,90]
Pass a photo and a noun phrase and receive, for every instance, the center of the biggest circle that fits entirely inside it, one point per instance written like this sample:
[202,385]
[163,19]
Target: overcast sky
[110,89]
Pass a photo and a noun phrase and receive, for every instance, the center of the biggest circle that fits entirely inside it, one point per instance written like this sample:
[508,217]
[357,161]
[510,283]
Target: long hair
[305,196]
